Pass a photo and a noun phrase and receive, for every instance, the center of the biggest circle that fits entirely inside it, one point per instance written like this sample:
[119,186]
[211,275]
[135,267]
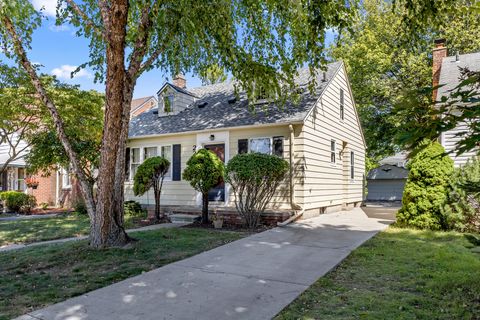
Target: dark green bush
[80,207]
[134,209]
[462,210]
[204,171]
[254,178]
[425,192]
[151,174]
[18,201]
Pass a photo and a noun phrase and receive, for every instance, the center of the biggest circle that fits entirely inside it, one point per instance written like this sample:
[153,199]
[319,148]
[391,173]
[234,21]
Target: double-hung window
[166,152]
[352,165]
[333,151]
[135,161]
[149,152]
[261,145]
[342,106]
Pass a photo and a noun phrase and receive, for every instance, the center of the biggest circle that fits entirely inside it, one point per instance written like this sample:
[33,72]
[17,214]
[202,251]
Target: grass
[36,277]
[42,229]
[399,274]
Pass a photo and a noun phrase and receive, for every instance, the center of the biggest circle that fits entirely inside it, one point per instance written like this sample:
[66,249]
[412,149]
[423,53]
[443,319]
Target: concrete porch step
[183,218]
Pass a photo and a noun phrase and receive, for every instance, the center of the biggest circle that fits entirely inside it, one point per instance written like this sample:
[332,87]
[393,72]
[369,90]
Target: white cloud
[59,28]
[65,71]
[49,6]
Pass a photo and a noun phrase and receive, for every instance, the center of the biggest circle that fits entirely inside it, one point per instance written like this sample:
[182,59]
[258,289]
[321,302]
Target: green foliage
[80,207]
[204,170]
[133,209]
[212,74]
[254,178]
[425,192]
[462,210]
[391,66]
[18,201]
[149,173]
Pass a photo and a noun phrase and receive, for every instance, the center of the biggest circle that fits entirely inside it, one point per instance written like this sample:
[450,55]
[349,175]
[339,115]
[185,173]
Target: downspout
[295,206]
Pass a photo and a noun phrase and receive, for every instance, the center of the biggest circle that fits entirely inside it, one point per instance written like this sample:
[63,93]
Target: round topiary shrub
[254,178]
[151,174]
[204,171]
[425,192]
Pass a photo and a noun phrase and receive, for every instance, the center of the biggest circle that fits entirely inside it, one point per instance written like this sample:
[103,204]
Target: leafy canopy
[204,170]
[149,173]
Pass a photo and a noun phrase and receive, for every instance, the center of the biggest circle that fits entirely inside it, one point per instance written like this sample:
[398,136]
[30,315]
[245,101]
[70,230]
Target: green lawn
[34,277]
[33,230]
[399,274]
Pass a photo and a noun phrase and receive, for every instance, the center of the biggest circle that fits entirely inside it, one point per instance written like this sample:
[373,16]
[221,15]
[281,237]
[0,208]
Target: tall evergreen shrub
[425,192]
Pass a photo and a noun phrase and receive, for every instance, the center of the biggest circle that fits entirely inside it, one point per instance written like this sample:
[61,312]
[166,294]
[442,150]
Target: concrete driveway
[252,278]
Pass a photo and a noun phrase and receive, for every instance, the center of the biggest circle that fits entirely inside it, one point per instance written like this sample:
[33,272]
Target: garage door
[390,190]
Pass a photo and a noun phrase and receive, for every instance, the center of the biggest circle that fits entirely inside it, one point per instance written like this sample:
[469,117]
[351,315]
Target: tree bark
[107,226]
[205,208]
[157,190]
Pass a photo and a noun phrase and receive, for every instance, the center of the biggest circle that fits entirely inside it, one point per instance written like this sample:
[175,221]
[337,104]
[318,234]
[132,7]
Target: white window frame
[333,152]
[258,138]
[66,179]
[142,158]
[135,163]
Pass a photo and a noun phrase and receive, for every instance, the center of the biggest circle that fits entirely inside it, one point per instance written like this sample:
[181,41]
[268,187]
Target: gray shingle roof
[218,113]
[450,71]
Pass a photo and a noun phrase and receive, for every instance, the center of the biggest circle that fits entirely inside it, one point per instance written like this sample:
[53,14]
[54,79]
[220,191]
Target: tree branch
[89,22]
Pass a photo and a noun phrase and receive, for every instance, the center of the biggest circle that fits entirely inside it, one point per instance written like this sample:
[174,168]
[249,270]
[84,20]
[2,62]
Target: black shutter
[127,163]
[242,146]
[278,146]
[176,162]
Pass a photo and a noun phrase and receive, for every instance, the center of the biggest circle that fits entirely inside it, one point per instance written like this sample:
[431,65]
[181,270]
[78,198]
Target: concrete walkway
[16,246]
[252,278]
[30,217]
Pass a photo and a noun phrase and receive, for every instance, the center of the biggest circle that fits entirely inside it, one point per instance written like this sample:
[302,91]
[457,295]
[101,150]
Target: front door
[217,193]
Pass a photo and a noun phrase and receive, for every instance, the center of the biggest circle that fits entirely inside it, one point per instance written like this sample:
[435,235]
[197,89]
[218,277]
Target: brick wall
[45,192]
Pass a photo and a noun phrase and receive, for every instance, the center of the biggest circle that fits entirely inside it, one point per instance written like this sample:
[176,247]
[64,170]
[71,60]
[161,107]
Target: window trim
[159,153]
[142,158]
[65,173]
[333,152]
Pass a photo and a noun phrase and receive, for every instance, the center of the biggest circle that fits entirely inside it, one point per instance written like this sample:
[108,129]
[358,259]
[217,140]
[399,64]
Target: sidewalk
[252,278]
[16,246]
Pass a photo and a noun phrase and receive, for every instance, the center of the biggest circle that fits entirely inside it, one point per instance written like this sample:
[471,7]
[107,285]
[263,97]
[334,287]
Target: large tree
[390,66]
[261,43]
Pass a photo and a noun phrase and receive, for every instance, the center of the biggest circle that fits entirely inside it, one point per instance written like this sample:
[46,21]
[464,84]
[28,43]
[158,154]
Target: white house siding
[181,101]
[449,140]
[176,193]
[327,184]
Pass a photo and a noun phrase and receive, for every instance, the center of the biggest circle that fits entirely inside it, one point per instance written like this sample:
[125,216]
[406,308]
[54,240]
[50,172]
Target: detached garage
[386,182]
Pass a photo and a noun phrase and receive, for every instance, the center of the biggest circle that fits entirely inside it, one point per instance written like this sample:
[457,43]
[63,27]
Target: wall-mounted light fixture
[212,137]
[194,149]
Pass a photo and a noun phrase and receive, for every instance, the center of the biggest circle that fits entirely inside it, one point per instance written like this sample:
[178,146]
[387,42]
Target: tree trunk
[157,191]
[205,208]
[107,226]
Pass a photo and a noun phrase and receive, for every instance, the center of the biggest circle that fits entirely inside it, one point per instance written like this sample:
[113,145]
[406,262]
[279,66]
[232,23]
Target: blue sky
[59,52]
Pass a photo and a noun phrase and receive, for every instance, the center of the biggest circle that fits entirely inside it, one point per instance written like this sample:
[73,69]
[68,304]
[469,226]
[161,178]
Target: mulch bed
[228,227]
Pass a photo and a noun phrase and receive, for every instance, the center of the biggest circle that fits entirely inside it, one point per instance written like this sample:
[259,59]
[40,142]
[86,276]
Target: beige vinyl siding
[281,200]
[328,184]
[173,192]
[449,141]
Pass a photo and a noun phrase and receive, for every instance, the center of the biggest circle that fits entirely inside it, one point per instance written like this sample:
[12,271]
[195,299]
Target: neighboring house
[320,137]
[54,189]
[446,72]
[387,181]
[142,105]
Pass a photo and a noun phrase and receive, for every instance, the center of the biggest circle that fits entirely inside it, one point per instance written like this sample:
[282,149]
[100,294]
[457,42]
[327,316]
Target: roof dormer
[172,99]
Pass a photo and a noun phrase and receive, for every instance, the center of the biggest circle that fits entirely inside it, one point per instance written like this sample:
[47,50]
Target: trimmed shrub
[425,192]
[18,201]
[151,174]
[254,177]
[134,209]
[204,171]
[462,210]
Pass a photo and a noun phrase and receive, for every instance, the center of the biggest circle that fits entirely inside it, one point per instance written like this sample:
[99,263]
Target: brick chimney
[439,52]
[180,81]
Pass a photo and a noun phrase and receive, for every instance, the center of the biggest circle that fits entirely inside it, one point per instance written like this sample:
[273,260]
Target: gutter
[294,205]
